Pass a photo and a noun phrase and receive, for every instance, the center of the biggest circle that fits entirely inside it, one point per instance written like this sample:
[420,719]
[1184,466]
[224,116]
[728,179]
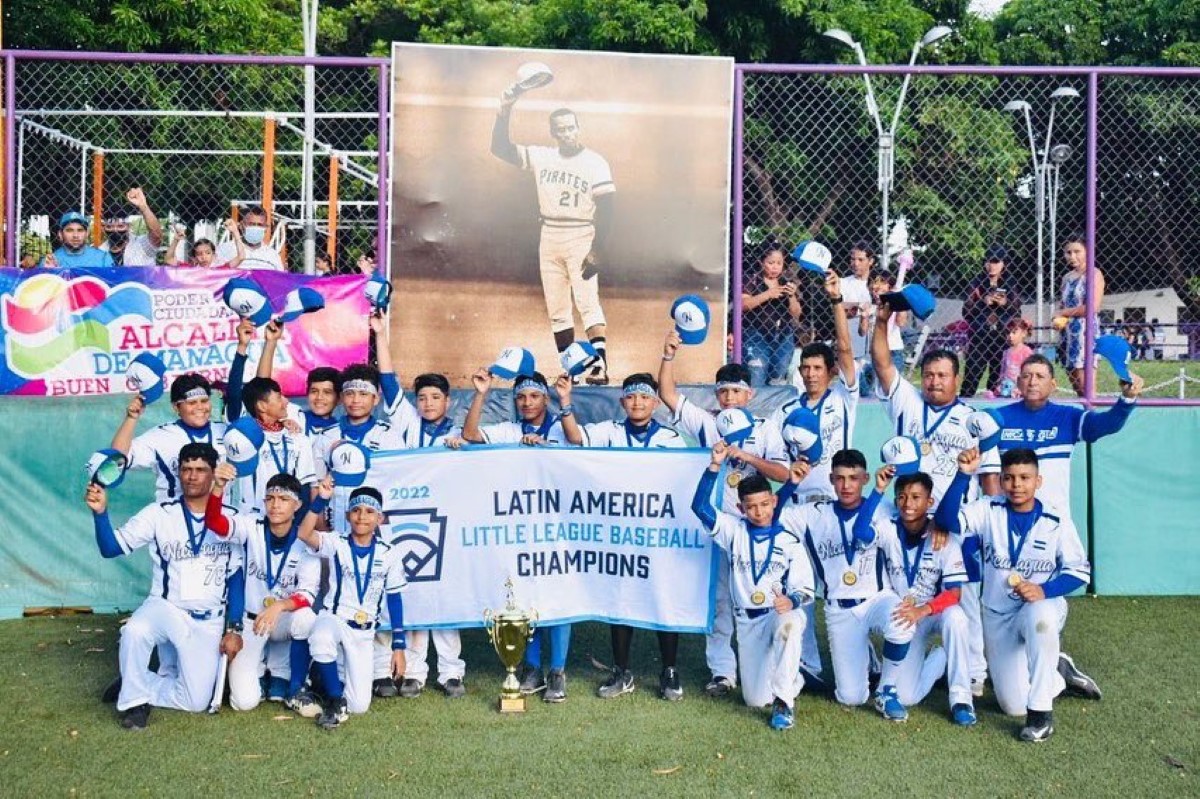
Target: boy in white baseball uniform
[638,430]
[771,579]
[285,449]
[844,549]
[186,606]
[761,453]
[1032,558]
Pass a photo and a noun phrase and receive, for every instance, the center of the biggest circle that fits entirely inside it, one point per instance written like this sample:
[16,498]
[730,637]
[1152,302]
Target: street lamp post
[886,150]
[1040,173]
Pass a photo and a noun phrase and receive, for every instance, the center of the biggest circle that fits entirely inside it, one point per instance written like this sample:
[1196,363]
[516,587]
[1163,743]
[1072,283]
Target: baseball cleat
[1039,725]
[782,717]
[1078,683]
[277,689]
[813,682]
[111,692]
[135,718]
[454,688]
[618,683]
[963,715]
[384,688]
[556,688]
[669,687]
[718,687]
[532,681]
[410,688]
[597,375]
[303,704]
[334,714]
[888,704]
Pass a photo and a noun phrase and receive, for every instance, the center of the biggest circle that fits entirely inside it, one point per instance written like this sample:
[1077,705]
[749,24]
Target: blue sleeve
[947,512]
[233,387]
[236,590]
[391,388]
[1097,424]
[106,537]
[864,531]
[702,502]
[395,603]
[785,494]
[1061,585]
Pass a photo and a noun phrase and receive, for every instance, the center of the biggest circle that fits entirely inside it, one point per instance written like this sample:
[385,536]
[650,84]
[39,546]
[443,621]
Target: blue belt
[369,625]
[846,603]
[754,613]
[205,615]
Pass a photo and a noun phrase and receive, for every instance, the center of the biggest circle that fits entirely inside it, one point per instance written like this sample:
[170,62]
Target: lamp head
[1063,91]
[1017,106]
[841,36]
[935,34]
[1060,153]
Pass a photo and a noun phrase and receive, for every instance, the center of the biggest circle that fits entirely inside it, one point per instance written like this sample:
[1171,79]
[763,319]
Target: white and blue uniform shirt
[415,431]
[762,562]
[918,571]
[827,529]
[271,565]
[836,411]
[551,430]
[309,422]
[1039,545]
[282,452]
[615,434]
[373,434]
[158,449]
[191,564]
[359,577]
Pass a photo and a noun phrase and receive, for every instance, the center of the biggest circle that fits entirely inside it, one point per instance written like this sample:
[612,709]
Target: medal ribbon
[194,541]
[547,423]
[769,536]
[631,437]
[280,465]
[847,541]
[1015,545]
[206,434]
[927,435]
[434,432]
[910,572]
[273,575]
[361,585]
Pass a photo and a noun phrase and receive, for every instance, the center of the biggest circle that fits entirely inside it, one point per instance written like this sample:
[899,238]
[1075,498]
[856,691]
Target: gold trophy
[511,631]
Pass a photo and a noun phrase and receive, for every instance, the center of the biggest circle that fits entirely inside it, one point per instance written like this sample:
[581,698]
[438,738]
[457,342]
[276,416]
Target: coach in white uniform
[186,606]
[575,199]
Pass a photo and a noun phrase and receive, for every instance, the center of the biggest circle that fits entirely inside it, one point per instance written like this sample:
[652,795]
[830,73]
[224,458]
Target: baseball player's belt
[846,603]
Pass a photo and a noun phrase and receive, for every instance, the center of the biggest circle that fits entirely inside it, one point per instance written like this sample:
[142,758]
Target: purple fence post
[1089,326]
[735,280]
[383,249]
[10,161]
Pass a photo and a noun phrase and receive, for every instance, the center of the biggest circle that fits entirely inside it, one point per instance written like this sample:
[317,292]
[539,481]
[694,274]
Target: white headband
[638,388]
[195,393]
[529,384]
[280,491]
[365,386]
[367,500]
[733,384]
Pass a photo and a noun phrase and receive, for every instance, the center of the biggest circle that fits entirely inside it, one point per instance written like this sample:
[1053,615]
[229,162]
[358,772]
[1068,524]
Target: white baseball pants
[769,656]
[1022,650]
[155,623]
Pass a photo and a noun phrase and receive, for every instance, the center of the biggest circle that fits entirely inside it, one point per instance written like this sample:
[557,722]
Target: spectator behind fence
[770,311]
[259,254]
[1158,337]
[881,283]
[1006,384]
[1073,309]
[856,298]
[136,250]
[992,301]
[204,252]
[75,251]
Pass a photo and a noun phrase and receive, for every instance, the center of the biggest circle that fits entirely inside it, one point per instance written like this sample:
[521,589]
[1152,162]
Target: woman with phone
[992,301]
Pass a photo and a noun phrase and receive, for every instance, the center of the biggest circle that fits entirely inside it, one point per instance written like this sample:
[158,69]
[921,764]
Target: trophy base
[512,704]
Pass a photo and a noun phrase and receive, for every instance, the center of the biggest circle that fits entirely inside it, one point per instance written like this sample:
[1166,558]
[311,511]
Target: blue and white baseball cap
[248,300]
[106,468]
[813,256]
[903,452]
[72,217]
[734,425]
[578,357]
[349,463]
[379,292]
[802,430]
[513,361]
[691,316]
[145,376]
[243,439]
[913,297]
[986,426]
[300,301]
[1117,352]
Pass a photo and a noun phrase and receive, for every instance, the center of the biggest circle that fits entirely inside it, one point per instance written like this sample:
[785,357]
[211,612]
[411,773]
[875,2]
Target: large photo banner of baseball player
[544,196]
[584,534]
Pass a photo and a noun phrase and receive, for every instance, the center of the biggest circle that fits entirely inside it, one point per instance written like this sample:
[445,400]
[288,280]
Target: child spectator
[1014,355]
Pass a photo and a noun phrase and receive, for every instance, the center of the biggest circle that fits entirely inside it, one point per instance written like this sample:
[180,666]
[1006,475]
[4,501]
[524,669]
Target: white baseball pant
[1022,650]
[560,253]
[769,649]
[921,669]
[718,645]
[450,664]
[333,640]
[155,623]
[245,692]
[849,631]
[973,608]
[811,655]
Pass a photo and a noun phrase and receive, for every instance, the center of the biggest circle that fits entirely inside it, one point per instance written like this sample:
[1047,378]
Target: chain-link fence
[204,138]
[980,166]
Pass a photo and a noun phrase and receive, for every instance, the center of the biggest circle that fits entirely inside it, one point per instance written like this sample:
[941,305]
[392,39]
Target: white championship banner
[585,534]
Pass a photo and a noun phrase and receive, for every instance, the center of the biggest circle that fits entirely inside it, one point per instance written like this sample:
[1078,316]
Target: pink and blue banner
[73,332]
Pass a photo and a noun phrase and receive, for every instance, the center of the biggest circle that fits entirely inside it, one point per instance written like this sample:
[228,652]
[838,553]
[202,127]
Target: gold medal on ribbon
[360,617]
[269,601]
[849,578]
[758,597]
[926,449]
[1014,579]
[733,479]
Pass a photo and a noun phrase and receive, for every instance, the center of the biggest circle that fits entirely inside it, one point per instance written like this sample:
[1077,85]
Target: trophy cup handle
[489,621]
[534,618]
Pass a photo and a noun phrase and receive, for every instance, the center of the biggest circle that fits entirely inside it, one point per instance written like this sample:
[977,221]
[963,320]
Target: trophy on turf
[510,630]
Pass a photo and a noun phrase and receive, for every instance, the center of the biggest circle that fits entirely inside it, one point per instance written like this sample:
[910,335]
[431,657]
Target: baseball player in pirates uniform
[364,570]
[841,540]
[158,449]
[1032,558]
[575,200]
[638,430]
[186,605]
[266,604]
[762,453]
[771,579]
[929,580]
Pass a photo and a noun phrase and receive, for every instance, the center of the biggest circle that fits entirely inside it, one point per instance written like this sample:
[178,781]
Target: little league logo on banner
[74,332]
[631,553]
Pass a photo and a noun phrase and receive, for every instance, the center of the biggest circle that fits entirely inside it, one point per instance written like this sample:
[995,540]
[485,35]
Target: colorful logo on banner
[75,332]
